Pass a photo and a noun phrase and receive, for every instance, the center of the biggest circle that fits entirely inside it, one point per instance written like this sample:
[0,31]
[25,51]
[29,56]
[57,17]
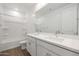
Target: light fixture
[33,15]
[16,9]
[15,13]
[39,6]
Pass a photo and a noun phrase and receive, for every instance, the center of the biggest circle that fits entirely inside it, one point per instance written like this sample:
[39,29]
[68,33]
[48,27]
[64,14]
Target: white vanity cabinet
[42,51]
[44,48]
[39,47]
[31,46]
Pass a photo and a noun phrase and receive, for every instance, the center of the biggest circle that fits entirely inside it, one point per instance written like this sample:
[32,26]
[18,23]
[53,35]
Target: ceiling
[28,8]
[49,8]
[22,8]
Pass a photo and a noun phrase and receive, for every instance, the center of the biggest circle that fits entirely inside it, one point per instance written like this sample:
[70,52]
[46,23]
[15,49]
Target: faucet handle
[76,33]
[62,33]
[57,32]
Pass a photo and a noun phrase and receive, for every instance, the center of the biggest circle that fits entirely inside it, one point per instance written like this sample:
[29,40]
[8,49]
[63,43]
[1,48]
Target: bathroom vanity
[63,20]
[46,44]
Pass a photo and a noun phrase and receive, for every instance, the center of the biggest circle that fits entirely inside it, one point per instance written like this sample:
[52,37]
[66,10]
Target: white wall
[30,24]
[14,30]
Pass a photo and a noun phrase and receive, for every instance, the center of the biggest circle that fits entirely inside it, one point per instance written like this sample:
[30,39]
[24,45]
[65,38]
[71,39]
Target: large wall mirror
[58,18]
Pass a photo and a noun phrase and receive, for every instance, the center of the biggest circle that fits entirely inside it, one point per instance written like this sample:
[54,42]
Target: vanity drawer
[56,49]
[41,51]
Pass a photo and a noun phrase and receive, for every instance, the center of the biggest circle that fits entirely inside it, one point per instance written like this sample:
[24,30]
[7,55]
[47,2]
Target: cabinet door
[69,19]
[41,51]
[28,45]
[31,46]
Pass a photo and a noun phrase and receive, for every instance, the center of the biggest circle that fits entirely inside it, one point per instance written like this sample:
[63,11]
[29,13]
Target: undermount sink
[50,36]
[54,38]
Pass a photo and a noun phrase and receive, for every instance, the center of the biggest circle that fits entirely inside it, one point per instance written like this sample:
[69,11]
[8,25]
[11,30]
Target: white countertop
[70,42]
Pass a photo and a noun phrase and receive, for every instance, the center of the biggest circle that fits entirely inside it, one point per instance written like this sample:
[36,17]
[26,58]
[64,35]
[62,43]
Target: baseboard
[9,45]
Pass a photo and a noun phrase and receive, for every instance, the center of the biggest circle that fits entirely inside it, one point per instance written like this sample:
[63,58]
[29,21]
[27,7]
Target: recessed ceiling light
[40,5]
[16,9]
[15,13]
[33,15]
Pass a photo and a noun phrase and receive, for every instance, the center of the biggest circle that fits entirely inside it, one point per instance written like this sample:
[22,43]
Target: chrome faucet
[57,32]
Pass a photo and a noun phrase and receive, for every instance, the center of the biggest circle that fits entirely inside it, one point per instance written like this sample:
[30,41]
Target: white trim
[9,45]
